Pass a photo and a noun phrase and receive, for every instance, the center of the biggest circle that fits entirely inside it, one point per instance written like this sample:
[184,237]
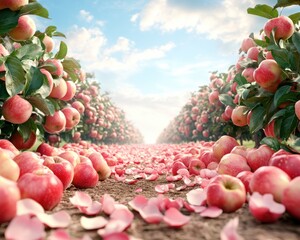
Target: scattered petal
[138,202]
[93,209]
[152,177]
[151,214]
[30,227]
[29,206]
[229,231]
[163,188]
[81,199]
[116,236]
[59,219]
[196,197]
[108,204]
[211,212]
[175,218]
[93,223]
[138,190]
[59,234]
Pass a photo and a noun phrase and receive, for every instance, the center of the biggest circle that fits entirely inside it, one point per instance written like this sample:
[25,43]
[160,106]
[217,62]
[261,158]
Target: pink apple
[176,166]
[240,150]
[9,196]
[257,158]
[85,176]
[226,192]
[59,69]
[28,162]
[42,186]
[71,90]
[289,163]
[247,43]
[13,5]
[72,117]
[24,30]
[7,145]
[207,157]
[70,156]
[282,25]
[49,43]
[291,197]
[297,109]
[79,106]
[248,74]
[245,177]
[195,166]
[47,149]
[62,168]
[100,165]
[8,167]
[270,179]
[59,90]
[228,111]
[49,78]
[239,116]
[55,123]
[232,164]
[268,75]
[16,110]
[253,52]
[223,146]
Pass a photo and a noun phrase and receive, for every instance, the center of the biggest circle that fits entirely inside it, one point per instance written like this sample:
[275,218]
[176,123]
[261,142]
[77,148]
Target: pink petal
[138,202]
[116,236]
[173,178]
[151,214]
[81,199]
[29,206]
[93,223]
[108,204]
[93,209]
[229,231]
[196,197]
[124,215]
[138,190]
[152,177]
[59,234]
[175,218]
[29,227]
[211,212]
[59,219]
[183,172]
[130,181]
[163,188]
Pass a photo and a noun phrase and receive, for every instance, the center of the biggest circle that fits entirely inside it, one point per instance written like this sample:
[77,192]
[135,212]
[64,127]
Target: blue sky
[149,55]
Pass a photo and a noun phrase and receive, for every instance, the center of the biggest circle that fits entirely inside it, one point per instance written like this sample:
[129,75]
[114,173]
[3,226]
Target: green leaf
[295,17]
[27,128]
[281,56]
[289,123]
[37,83]
[63,50]
[8,20]
[286,3]
[241,80]
[263,10]
[50,30]
[29,51]
[271,142]
[70,66]
[226,99]
[59,34]
[256,120]
[34,8]
[15,76]
[44,105]
[3,93]
[296,40]
[261,43]
[284,94]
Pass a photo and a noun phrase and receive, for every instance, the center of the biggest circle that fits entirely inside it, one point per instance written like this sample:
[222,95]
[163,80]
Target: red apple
[70,156]
[247,43]
[195,166]
[253,52]
[268,75]
[289,163]
[47,149]
[71,90]
[49,78]
[245,177]
[248,74]
[28,162]
[55,123]
[257,158]
[176,166]
[79,106]
[85,176]
[42,186]
[270,179]
[49,43]
[9,196]
[8,167]
[59,90]
[24,30]
[232,164]
[59,69]
[291,197]
[223,146]
[17,140]
[72,117]
[240,150]
[7,145]
[282,25]
[13,5]
[226,192]
[297,109]
[207,157]
[62,168]
[239,116]
[100,165]
[16,110]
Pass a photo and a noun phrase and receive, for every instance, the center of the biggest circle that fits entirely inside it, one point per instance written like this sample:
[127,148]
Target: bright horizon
[150,55]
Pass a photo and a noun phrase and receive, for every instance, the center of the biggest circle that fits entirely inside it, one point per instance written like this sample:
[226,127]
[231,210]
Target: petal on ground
[61,219]
[93,223]
[174,218]
[211,212]
[29,206]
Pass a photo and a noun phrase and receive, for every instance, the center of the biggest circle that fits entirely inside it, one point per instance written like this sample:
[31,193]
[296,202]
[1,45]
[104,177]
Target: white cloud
[227,21]
[85,15]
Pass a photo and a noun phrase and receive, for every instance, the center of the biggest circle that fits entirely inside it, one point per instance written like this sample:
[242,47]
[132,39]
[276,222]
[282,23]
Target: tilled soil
[198,227]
